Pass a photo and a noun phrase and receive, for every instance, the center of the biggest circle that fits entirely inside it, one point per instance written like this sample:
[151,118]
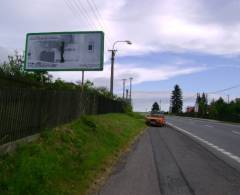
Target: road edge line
[209,144]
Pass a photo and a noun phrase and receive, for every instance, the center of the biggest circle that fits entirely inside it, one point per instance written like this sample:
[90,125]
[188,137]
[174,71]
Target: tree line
[13,74]
[176,102]
[216,109]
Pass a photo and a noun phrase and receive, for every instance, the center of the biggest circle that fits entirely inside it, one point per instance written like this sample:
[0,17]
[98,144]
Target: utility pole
[228,98]
[113,52]
[82,80]
[124,82]
[130,89]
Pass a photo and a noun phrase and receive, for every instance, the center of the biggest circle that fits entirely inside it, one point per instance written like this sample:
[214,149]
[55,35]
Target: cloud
[143,74]
[140,73]
[155,26]
[179,26]
[4,54]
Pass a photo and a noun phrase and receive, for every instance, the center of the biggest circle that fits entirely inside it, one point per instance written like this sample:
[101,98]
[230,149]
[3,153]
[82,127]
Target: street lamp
[113,52]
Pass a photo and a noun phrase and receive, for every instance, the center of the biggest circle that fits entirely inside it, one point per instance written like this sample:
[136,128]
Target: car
[155,119]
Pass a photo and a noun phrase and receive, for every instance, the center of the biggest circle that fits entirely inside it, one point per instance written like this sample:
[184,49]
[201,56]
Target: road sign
[64,51]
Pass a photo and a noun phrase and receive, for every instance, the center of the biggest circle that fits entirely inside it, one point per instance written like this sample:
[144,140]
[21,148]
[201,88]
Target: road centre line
[236,132]
[223,151]
[210,126]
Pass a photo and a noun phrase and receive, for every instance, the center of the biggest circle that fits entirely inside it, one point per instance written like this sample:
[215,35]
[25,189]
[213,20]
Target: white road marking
[236,132]
[229,154]
[210,126]
[215,122]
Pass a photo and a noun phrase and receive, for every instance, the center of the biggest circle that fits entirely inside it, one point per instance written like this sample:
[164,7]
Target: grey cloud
[159,25]
[221,12]
[101,82]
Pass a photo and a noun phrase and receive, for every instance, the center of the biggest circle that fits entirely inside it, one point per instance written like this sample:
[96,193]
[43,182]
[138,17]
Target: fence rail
[24,112]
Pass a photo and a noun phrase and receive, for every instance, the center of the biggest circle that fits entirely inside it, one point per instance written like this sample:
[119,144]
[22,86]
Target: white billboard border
[65,69]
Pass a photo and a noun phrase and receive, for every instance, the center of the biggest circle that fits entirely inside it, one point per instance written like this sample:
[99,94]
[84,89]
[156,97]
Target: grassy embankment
[69,158]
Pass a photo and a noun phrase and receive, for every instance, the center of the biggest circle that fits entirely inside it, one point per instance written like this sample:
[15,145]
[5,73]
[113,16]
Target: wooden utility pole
[130,89]
[113,51]
[82,80]
[124,84]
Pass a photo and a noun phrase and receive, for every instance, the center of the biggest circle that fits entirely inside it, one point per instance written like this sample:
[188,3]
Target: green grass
[67,159]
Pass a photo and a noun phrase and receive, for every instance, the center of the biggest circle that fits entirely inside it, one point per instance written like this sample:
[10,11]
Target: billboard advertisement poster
[64,51]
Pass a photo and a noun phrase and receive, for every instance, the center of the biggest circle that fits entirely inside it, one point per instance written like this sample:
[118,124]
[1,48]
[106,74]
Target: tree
[198,99]
[202,104]
[176,100]
[220,108]
[104,91]
[155,107]
[14,68]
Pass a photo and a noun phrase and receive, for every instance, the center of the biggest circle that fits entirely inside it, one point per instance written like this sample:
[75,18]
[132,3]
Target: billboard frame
[66,69]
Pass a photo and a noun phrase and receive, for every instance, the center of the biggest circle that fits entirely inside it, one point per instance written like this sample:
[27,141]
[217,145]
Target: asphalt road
[223,139]
[168,162]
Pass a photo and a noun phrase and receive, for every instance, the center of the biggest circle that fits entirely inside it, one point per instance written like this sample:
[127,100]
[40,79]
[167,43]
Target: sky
[192,43]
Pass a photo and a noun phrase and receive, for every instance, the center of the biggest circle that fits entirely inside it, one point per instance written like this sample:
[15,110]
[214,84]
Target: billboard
[65,51]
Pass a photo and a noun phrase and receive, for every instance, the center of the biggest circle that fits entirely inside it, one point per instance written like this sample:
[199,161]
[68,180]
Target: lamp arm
[116,43]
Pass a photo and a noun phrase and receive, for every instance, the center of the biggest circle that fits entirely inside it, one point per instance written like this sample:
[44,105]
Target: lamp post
[113,52]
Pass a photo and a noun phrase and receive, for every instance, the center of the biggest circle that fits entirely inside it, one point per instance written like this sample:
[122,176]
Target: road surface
[223,139]
[165,161]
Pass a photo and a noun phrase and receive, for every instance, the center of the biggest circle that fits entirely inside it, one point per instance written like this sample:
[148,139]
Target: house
[190,109]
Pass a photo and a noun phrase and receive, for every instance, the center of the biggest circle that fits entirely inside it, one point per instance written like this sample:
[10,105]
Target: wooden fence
[24,112]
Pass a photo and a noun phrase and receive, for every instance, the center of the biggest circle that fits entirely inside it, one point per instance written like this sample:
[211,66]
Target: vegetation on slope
[68,159]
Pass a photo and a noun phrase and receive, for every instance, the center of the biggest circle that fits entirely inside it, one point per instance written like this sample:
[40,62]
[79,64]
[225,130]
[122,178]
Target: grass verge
[69,158]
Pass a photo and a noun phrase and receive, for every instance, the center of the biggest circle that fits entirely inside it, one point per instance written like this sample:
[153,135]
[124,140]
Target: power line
[98,15]
[99,20]
[218,91]
[84,13]
[94,12]
[76,13]
[89,17]
[213,92]
[223,90]
[78,9]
